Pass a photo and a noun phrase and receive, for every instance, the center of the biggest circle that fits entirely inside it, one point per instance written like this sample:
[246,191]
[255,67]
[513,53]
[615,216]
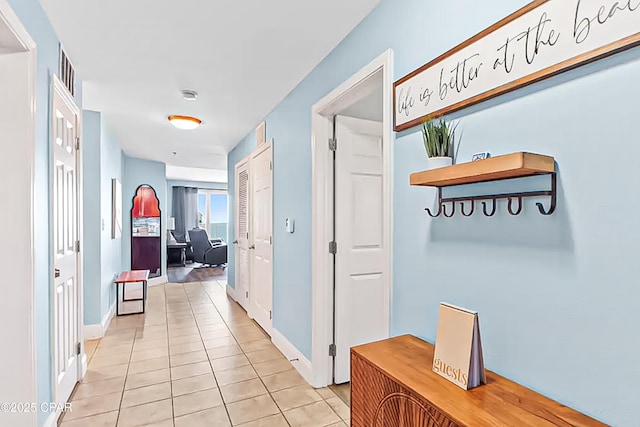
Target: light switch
[288,224]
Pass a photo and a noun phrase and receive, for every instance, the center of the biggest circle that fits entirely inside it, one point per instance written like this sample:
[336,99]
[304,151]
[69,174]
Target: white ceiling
[242,56]
[195,174]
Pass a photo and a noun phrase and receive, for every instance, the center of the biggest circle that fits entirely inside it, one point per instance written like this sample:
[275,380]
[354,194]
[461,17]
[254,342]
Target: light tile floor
[195,359]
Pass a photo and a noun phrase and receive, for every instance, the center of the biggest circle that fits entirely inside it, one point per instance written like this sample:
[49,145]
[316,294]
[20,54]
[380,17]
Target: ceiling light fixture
[185,122]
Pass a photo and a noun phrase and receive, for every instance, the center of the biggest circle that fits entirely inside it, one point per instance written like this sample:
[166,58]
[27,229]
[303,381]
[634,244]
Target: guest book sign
[543,39]
[458,350]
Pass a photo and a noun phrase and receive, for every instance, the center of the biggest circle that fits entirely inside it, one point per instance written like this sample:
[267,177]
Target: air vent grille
[67,72]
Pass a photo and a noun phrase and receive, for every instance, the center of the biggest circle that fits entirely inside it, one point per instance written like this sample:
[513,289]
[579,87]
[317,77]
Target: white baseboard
[85,363]
[297,359]
[97,330]
[232,293]
[158,280]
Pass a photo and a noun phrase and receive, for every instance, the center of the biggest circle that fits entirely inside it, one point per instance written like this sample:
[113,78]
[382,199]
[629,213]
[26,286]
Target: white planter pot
[439,162]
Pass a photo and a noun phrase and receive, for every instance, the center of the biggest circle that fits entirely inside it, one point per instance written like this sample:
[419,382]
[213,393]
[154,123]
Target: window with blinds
[243,204]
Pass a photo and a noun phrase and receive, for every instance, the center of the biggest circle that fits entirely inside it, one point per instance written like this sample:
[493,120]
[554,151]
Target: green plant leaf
[439,137]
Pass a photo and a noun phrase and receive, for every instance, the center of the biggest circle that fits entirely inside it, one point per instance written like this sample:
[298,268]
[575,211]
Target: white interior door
[261,290]
[65,234]
[242,233]
[361,303]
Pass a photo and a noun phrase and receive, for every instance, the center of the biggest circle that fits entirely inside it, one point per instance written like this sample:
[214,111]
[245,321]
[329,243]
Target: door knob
[235,242]
[56,272]
[252,247]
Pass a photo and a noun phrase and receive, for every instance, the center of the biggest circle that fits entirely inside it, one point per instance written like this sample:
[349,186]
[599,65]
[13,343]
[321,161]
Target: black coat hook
[437,214]
[453,210]
[551,210]
[510,209]
[473,208]
[493,209]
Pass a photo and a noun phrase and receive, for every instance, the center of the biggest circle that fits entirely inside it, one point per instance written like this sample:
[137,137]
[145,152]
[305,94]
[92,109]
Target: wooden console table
[392,384]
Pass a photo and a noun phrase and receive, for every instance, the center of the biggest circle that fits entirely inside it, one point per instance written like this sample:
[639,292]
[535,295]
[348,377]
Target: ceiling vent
[67,72]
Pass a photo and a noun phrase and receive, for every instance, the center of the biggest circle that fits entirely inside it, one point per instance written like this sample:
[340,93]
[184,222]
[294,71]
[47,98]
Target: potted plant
[439,137]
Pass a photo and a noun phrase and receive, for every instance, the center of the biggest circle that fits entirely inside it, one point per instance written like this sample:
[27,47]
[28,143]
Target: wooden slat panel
[514,165]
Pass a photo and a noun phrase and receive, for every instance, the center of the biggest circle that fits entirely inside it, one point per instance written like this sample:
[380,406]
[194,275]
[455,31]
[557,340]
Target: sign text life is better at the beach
[543,39]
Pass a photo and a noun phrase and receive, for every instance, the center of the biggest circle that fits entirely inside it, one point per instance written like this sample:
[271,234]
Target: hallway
[195,359]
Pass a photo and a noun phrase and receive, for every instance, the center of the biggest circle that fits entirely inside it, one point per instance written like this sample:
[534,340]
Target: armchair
[204,251]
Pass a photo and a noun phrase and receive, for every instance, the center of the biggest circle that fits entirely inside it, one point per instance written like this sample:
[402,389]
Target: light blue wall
[37,24]
[198,184]
[111,166]
[243,149]
[91,251]
[557,296]
[102,255]
[138,172]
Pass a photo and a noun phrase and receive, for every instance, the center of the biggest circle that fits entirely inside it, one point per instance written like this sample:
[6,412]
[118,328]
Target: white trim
[155,281]
[85,363]
[98,330]
[52,419]
[232,293]
[297,359]
[23,261]
[322,201]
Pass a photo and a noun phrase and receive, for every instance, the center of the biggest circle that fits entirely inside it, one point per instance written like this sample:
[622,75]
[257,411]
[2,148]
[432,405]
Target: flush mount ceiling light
[185,122]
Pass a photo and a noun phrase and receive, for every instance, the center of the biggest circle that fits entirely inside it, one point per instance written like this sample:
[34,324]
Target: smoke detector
[189,95]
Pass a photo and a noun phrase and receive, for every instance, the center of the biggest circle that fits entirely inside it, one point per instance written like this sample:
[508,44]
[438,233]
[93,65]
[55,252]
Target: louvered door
[242,233]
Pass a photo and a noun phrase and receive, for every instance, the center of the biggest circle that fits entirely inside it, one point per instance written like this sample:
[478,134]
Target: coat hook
[473,208]
[519,206]
[437,214]
[493,210]
[552,208]
[453,210]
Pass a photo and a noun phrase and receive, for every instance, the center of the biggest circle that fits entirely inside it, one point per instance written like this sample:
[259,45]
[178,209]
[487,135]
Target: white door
[242,233]
[361,265]
[65,234]
[261,291]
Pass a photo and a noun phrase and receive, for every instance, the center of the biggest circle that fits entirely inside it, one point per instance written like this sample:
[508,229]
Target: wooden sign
[458,350]
[543,39]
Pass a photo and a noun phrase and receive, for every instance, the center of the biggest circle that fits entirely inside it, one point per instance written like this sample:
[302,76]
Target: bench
[135,276]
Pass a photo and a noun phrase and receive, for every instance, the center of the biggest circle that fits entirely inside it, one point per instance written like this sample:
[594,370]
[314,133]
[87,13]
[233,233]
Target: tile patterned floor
[195,359]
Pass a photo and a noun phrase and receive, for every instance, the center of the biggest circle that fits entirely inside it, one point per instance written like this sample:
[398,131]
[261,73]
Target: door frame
[58,87]
[250,303]
[236,294]
[22,319]
[343,96]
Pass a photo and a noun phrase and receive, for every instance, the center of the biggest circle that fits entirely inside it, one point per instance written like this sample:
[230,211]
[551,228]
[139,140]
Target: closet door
[242,233]
[260,250]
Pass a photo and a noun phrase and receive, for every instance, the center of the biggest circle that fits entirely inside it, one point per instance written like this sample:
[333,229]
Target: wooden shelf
[514,165]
